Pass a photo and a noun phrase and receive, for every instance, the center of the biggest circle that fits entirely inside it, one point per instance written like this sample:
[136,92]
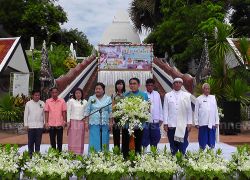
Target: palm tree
[145,13]
[221,47]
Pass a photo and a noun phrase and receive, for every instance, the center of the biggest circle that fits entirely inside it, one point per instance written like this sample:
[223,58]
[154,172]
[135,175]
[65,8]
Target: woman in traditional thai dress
[75,113]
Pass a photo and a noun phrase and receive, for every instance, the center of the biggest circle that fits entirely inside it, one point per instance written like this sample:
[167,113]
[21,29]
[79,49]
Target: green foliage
[132,155]
[65,37]
[116,150]
[69,63]
[38,18]
[240,18]
[181,32]
[221,47]
[237,90]
[8,111]
[56,58]
[145,13]
[206,164]
[244,46]
[239,163]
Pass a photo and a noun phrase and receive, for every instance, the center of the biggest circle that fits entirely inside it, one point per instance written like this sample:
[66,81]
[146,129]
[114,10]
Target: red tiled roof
[5,45]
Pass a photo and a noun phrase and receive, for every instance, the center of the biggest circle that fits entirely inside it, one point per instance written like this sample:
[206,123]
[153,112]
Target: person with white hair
[206,117]
[177,117]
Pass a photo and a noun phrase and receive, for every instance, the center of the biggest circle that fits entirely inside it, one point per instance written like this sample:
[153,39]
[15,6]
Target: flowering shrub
[154,165]
[52,166]
[70,63]
[205,164]
[132,111]
[106,165]
[9,162]
[240,163]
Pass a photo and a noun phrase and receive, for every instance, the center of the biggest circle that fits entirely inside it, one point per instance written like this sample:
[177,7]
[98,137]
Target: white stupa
[120,31]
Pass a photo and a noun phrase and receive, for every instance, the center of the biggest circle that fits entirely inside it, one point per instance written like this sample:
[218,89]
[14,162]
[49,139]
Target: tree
[241,17]
[38,18]
[145,13]
[181,33]
[65,37]
[56,59]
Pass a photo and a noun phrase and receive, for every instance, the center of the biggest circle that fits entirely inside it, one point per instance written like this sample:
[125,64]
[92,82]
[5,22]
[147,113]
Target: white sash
[181,119]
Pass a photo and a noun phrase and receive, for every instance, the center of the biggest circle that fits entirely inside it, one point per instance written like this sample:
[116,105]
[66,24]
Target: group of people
[95,116]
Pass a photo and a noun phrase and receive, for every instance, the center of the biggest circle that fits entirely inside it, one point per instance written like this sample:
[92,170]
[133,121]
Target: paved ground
[10,138]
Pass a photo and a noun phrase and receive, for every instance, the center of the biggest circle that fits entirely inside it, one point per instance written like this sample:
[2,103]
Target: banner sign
[127,57]
[21,83]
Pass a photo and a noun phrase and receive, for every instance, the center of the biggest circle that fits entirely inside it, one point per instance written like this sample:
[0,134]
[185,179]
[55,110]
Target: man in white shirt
[34,121]
[206,117]
[177,117]
[151,131]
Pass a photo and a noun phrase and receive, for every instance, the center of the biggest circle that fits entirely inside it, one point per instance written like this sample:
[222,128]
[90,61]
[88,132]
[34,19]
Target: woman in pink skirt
[75,113]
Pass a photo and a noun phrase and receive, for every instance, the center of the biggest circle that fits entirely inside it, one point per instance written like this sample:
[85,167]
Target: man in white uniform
[151,131]
[177,117]
[206,117]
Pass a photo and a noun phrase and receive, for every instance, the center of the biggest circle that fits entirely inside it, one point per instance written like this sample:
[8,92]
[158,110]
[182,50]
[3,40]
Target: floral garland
[132,111]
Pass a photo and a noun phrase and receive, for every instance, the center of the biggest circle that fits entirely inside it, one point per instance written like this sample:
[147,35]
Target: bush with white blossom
[205,164]
[52,166]
[106,165]
[154,165]
[9,162]
[240,162]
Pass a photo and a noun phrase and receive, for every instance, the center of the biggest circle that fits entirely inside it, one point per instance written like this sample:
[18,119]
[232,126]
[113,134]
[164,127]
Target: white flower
[51,165]
[132,111]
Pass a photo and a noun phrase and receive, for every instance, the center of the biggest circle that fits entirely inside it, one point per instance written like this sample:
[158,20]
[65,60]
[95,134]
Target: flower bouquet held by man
[132,112]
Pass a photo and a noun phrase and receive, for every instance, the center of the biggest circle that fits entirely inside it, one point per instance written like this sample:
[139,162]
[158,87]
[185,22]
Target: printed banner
[130,57]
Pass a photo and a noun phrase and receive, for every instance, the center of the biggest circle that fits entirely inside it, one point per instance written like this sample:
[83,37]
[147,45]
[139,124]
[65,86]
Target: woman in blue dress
[95,102]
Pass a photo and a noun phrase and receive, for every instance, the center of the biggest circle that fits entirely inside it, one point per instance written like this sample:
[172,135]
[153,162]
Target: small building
[12,59]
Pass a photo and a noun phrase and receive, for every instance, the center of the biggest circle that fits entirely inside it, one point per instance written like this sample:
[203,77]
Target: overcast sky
[92,16]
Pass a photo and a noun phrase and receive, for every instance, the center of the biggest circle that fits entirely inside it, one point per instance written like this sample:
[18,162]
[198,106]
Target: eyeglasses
[132,83]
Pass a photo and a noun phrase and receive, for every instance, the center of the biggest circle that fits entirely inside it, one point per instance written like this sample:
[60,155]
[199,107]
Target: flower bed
[154,165]
[52,166]
[240,163]
[106,165]
[9,162]
[207,164]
